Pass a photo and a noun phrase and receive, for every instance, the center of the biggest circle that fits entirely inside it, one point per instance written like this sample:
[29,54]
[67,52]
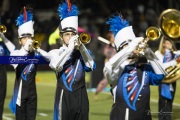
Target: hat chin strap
[65,43]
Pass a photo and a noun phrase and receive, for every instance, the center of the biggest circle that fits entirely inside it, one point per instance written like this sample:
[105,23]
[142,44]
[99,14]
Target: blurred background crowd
[93,14]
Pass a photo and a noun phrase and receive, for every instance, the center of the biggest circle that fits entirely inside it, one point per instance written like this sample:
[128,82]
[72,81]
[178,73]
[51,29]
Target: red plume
[69,5]
[25,15]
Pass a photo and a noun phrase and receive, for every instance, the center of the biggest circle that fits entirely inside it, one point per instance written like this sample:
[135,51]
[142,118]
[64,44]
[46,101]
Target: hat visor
[68,29]
[25,35]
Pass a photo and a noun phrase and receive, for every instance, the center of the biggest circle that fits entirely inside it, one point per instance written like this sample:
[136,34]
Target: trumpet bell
[85,38]
[169,23]
[153,33]
[36,44]
[3,28]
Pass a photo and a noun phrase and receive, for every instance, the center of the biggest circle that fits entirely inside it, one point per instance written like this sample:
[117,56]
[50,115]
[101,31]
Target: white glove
[77,43]
[142,45]
[72,41]
[27,44]
[133,45]
[2,36]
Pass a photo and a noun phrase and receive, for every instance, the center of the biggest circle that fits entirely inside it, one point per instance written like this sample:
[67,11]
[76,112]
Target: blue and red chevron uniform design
[133,92]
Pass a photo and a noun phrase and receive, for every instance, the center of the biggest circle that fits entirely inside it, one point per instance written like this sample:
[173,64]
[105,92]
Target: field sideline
[99,109]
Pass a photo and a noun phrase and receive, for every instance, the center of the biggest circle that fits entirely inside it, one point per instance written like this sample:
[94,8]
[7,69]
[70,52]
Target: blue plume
[64,12]
[117,23]
[20,19]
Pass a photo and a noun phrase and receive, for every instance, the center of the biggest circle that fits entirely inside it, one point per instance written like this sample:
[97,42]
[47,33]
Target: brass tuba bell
[85,37]
[169,23]
[3,28]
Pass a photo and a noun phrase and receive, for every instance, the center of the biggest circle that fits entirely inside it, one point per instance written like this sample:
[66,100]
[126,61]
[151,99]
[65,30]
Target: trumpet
[153,34]
[84,38]
[3,28]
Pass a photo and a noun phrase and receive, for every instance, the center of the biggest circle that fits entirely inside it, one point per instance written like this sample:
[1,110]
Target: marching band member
[167,90]
[24,100]
[6,47]
[129,73]
[70,62]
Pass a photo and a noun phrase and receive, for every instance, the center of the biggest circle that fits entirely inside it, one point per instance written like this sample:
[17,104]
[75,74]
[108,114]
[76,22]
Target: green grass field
[99,109]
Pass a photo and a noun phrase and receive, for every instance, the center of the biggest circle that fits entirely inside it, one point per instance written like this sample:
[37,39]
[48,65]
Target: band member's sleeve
[58,58]
[10,46]
[114,67]
[155,79]
[87,58]
[21,52]
[156,64]
[44,54]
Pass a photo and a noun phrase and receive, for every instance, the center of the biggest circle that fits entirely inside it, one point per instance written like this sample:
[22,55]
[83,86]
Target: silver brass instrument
[3,28]
[85,38]
[169,23]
